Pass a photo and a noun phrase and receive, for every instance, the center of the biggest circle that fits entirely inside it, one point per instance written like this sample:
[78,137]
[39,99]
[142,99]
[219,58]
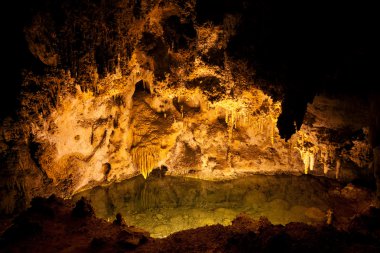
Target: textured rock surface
[129,86]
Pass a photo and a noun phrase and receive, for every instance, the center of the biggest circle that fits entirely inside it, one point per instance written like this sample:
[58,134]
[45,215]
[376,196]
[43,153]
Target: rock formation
[129,86]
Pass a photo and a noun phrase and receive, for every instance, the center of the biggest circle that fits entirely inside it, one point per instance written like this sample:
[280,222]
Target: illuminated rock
[137,88]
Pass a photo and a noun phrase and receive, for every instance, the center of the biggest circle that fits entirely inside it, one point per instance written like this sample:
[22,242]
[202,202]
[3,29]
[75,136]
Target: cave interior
[189,126]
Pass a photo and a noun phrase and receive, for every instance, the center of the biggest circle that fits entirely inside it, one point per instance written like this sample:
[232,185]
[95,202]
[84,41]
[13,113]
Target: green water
[169,204]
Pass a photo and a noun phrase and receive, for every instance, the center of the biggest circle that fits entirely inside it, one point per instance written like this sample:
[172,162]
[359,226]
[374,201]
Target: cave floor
[164,205]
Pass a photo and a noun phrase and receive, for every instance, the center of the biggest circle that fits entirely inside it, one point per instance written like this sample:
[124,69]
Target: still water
[164,205]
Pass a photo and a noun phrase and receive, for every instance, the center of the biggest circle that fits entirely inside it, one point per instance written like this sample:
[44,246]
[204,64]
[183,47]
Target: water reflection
[164,205]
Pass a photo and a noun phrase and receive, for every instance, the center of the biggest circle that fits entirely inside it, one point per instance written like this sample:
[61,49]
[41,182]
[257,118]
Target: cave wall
[129,86]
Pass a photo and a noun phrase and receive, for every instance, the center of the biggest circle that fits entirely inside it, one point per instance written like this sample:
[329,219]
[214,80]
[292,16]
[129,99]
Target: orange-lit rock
[132,86]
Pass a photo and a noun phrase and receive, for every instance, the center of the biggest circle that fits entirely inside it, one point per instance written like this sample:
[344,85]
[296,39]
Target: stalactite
[324,159]
[330,153]
[312,157]
[145,159]
[306,161]
[305,156]
[272,126]
[229,158]
[231,122]
[233,119]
